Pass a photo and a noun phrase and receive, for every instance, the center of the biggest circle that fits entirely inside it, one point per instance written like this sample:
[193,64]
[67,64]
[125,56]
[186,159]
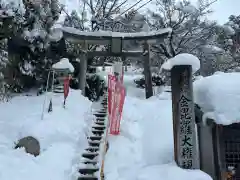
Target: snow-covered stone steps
[99,122]
[89,167]
[94,143]
[58,89]
[92,149]
[92,162]
[97,132]
[88,170]
[97,114]
[98,127]
[100,111]
[87,177]
[100,119]
[90,155]
[85,161]
[95,138]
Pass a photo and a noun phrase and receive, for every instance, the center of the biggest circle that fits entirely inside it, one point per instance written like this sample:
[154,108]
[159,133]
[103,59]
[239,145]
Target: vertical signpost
[185,143]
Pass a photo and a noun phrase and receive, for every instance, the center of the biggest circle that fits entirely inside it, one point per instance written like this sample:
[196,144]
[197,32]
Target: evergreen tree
[31,41]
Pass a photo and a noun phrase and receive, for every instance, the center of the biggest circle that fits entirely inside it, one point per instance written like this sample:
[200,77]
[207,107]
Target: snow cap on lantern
[62,70]
[63,65]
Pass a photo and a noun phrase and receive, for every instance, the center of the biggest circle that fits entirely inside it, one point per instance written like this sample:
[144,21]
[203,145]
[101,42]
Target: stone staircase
[58,89]
[92,156]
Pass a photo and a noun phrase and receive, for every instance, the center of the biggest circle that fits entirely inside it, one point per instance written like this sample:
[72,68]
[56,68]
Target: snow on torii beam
[106,37]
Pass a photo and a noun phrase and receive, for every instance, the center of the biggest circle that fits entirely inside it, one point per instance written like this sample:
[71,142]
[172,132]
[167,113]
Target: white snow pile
[144,148]
[219,96]
[213,48]
[228,30]
[61,135]
[55,34]
[63,64]
[190,9]
[182,59]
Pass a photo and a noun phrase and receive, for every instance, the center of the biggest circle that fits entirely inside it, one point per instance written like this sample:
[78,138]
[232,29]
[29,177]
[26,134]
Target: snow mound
[219,96]
[182,59]
[63,64]
[228,30]
[61,135]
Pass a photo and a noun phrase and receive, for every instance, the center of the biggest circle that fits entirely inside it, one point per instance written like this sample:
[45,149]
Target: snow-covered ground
[142,151]
[62,136]
[144,148]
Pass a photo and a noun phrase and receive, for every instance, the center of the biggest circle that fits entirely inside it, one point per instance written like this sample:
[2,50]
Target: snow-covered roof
[182,59]
[63,64]
[218,97]
[76,34]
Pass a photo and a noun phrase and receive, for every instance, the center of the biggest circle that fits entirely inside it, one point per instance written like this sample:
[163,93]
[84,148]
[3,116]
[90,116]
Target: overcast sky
[224,8]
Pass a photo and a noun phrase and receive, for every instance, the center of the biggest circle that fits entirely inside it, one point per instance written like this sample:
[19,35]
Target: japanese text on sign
[187,141]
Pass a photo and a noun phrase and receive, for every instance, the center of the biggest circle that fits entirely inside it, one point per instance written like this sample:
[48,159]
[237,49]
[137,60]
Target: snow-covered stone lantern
[61,69]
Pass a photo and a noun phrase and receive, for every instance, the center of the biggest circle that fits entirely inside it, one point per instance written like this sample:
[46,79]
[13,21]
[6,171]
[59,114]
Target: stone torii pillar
[83,70]
[147,70]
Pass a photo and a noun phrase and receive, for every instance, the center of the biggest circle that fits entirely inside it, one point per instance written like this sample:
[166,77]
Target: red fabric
[66,87]
[118,98]
[111,87]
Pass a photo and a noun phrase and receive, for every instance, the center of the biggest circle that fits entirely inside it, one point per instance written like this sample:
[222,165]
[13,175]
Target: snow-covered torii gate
[116,41]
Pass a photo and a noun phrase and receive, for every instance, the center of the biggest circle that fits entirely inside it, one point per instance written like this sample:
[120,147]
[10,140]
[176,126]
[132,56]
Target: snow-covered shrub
[95,87]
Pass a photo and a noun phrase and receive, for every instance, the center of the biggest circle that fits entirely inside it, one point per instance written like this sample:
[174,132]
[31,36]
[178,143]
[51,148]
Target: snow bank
[228,30]
[63,64]
[182,59]
[171,172]
[219,96]
[61,135]
[144,148]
